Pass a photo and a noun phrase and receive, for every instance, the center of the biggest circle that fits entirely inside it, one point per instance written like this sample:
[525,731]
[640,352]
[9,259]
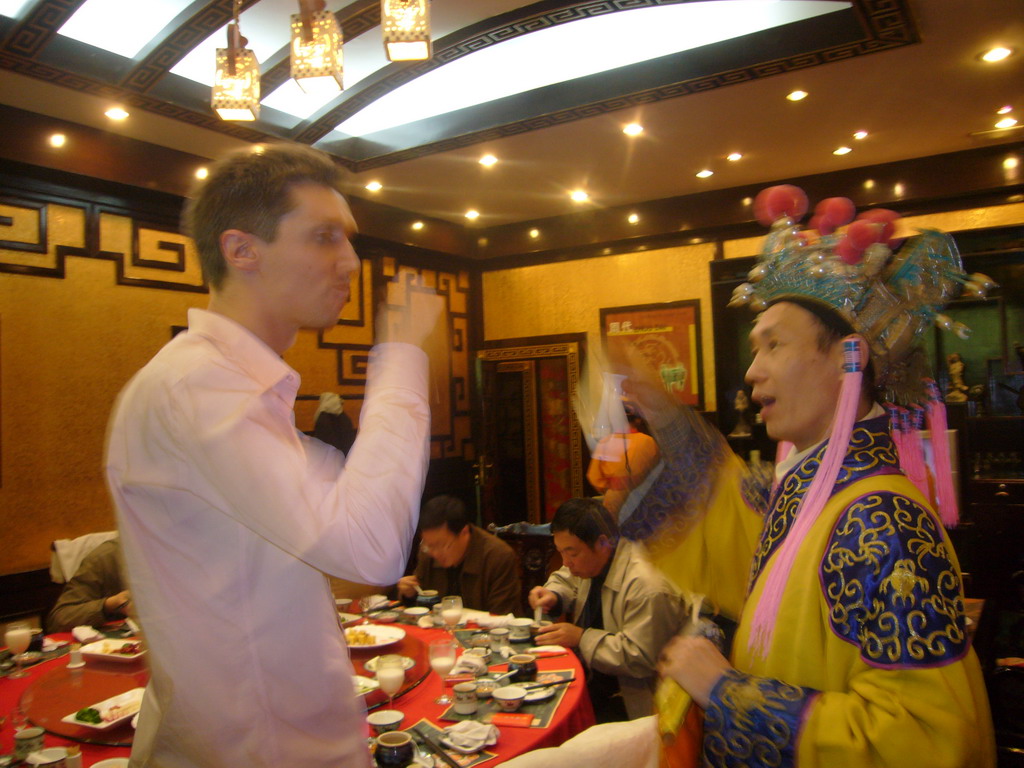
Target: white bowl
[112,762]
[384,720]
[509,697]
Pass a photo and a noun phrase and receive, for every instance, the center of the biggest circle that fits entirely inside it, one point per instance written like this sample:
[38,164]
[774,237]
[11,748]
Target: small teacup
[465,698]
[498,638]
[26,741]
[539,627]
[384,720]
[485,687]
[509,697]
[394,750]
[428,598]
[523,667]
[519,630]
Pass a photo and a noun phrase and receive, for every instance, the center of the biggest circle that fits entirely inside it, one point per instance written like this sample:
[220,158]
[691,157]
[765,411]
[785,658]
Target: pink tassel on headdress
[945,494]
[813,502]
[913,460]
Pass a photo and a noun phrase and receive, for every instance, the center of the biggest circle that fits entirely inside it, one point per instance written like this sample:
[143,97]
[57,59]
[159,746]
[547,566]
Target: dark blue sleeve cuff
[753,721]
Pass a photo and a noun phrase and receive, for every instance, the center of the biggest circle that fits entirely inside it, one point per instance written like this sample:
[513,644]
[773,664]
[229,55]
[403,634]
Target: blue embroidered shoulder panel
[891,586]
[753,721]
[871,452]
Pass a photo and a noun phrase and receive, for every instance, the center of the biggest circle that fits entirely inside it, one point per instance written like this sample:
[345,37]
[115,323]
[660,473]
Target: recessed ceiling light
[534,233]
[579,196]
[732,157]
[898,189]
[375,186]
[417,225]
[633,218]
[633,129]
[841,151]
[1007,122]
[705,173]
[869,183]
[1010,163]
[796,95]
[996,54]
[488,160]
[1005,109]
[202,173]
[58,140]
[748,201]
[860,135]
[471,214]
[116,113]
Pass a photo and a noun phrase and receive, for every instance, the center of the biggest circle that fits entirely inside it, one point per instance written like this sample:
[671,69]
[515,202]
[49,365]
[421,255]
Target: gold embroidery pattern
[891,586]
[871,450]
[753,721]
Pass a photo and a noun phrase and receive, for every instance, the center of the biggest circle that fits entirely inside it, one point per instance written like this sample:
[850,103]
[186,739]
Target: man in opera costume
[851,648]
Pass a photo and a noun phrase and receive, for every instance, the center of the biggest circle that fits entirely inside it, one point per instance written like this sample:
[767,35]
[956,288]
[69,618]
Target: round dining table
[51,691]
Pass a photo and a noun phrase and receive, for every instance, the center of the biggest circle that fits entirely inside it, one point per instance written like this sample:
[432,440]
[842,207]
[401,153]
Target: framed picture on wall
[667,335]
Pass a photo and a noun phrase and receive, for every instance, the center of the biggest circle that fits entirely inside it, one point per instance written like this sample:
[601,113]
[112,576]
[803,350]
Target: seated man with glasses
[458,558]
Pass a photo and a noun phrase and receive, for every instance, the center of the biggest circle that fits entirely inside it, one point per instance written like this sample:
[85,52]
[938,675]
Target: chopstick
[434,747]
[529,686]
[385,607]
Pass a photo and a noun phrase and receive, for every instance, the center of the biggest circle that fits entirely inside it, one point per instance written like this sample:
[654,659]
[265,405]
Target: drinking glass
[442,658]
[17,638]
[390,676]
[451,611]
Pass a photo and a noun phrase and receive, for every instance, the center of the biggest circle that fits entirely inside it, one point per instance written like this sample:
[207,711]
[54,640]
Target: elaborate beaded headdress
[889,296]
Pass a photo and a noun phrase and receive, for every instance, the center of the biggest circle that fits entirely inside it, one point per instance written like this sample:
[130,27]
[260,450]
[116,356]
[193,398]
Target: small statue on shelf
[976,394]
[956,391]
[742,405]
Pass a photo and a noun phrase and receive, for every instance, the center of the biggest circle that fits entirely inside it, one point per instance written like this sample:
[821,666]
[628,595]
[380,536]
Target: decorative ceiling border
[887,24]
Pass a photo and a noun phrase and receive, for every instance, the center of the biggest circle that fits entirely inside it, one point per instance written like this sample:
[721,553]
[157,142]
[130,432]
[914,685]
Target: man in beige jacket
[623,611]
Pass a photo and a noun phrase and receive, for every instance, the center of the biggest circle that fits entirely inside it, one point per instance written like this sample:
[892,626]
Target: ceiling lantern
[316,48]
[236,87]
[406,26]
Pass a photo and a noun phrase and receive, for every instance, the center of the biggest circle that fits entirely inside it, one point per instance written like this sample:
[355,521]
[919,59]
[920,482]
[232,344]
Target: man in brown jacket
[458,558]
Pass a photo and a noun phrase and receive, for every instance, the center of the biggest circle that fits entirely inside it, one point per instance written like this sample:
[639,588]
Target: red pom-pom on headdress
[781,200]
[834,212]
[886,218]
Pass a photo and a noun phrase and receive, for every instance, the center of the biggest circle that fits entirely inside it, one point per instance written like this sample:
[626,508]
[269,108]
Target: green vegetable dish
[88,715]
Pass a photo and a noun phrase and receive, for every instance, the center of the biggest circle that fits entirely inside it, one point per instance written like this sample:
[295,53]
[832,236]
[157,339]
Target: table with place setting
[113,674]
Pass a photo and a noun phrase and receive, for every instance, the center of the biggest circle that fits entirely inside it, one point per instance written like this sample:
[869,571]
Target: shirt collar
[245,349]
[794,458]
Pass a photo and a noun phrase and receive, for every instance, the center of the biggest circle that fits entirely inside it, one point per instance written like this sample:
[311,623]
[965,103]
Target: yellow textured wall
[67,347]
[567,297]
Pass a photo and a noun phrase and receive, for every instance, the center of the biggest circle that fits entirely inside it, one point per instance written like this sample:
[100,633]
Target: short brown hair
[250,190]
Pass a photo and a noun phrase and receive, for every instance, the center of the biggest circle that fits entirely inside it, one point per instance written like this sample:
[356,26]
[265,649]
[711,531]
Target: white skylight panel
[124,28]
[568,51]
[13,8]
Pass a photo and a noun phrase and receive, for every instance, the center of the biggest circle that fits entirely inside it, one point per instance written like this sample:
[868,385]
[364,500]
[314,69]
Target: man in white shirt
[229,516]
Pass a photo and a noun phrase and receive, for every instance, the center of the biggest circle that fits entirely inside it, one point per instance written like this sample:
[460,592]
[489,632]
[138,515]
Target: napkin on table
[470,735]
[489,621]
[86,634]
[469,665]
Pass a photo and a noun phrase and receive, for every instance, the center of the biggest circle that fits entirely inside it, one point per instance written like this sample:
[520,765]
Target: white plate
[364,684]
[371,664]
[113,762]
[416,610]
[381,634]
[466,750]
[539,694]
[348,619]
[106,650]
[130,701]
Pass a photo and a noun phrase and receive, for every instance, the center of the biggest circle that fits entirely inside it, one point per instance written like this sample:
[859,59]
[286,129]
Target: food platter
[371,664]
[112,711]
[367,636]
[110,650]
